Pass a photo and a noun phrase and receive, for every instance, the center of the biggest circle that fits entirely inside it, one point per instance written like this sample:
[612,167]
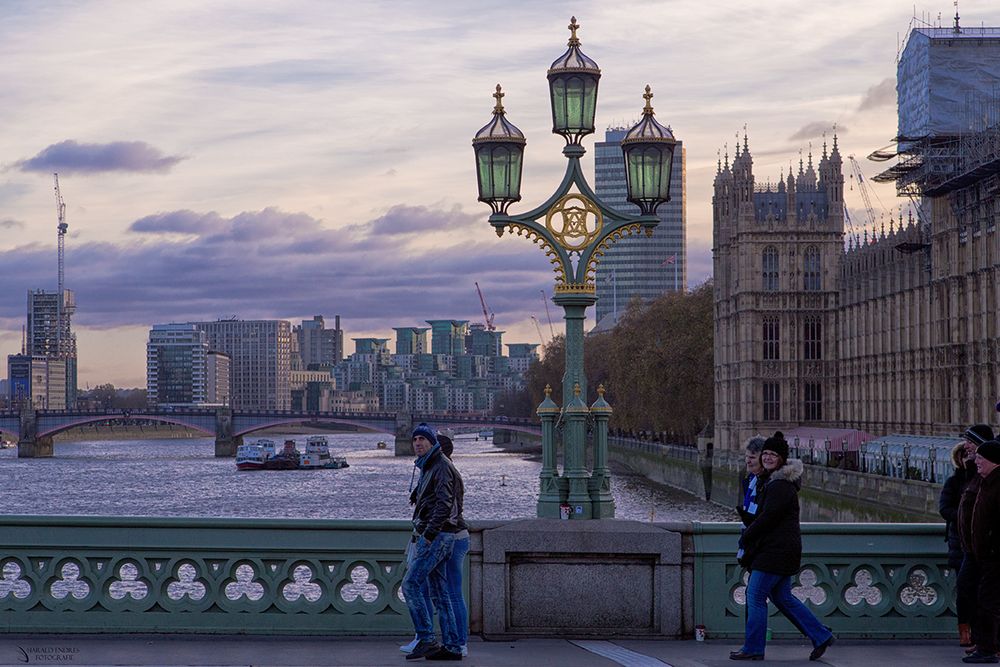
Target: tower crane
[538,328]
[61,244]
[865,196]
[487,315]
[545,302]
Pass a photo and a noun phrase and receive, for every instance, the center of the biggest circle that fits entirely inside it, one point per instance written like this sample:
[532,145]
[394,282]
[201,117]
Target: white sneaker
[465,650]
[408,648]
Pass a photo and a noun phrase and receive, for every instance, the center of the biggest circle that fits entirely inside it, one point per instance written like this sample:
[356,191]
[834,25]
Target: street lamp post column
[574,228]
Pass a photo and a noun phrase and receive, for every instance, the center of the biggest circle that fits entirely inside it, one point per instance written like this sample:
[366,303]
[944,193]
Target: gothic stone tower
[777,251]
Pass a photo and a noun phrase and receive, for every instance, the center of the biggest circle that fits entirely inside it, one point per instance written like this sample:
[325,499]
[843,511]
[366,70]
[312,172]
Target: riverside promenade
[371,652]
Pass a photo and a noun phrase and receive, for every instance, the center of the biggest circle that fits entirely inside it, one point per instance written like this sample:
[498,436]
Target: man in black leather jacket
[437,517]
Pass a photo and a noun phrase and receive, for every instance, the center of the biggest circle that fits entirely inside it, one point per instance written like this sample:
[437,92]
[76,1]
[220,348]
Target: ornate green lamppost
[574,228]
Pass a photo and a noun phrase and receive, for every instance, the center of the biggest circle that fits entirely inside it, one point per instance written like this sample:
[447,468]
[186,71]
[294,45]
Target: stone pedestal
[226,447]
[404,434]
[546,577]
[34,448]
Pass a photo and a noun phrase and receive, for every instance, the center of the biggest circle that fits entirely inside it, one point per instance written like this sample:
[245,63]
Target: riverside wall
[828,494]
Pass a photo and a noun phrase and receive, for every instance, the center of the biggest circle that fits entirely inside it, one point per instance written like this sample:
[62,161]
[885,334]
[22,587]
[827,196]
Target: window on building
[771,339]
[770,263]
[812,336]
[812,267]
[814,401]
[772,401]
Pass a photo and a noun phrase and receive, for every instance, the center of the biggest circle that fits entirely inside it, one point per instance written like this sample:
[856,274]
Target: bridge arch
[370,426]
[47,430]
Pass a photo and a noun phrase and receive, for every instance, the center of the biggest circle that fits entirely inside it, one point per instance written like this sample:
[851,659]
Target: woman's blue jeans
[453,575]
[427,570]
[778,588]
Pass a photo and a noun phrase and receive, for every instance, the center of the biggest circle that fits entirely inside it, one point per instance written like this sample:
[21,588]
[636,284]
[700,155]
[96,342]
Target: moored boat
[250,457]
[286,459]
[317,455]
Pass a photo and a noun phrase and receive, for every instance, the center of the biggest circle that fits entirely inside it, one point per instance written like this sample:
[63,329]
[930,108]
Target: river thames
[183,478]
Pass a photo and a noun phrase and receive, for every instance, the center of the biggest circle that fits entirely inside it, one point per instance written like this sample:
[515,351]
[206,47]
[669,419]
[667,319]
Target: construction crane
[538,328]
[487,315]
[545,302]
[61,231]
[865,196]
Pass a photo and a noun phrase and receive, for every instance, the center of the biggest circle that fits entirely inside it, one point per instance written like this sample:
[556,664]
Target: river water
[183,478]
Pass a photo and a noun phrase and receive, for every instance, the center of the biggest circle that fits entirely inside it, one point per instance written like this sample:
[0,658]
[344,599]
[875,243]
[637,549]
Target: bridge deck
[362,652]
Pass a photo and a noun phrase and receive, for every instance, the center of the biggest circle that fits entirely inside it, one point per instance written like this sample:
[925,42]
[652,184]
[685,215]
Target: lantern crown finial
[648,109]
[573,27]
[498,109]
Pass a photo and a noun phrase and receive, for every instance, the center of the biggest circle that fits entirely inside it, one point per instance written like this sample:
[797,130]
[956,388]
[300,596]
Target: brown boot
[964,634]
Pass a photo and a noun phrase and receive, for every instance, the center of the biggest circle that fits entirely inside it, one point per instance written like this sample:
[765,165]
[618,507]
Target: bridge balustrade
[310,577]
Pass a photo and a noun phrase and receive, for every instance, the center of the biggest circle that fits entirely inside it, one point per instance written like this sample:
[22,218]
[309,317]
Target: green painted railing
[82,574]
[862,580]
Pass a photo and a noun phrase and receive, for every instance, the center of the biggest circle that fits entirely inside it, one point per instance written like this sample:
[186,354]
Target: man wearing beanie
[437,518]
[986,548]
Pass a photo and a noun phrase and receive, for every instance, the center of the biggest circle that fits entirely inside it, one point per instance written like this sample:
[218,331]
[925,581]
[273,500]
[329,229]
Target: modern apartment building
[260,353]
[317,345]
[176,366]
[639,266]
[411,340]
[218,377]
[448,336]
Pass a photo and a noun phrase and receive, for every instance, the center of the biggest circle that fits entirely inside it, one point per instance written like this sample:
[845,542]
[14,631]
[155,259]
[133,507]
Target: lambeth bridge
[34,429]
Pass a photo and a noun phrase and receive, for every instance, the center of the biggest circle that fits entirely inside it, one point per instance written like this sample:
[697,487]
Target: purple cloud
[272,263]
[70,157]
[8,223]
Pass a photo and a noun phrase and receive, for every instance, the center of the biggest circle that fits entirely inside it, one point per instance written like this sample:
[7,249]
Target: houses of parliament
[894,332]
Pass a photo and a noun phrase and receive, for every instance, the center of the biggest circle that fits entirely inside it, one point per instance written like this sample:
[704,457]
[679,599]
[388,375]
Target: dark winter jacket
[965,506]
[948,503]
[438,498]
[772,542]
[986,520]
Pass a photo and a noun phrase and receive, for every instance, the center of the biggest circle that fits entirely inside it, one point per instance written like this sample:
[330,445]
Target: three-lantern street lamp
[574,228]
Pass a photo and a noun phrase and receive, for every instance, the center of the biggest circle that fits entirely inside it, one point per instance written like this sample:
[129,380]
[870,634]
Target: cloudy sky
[270,160]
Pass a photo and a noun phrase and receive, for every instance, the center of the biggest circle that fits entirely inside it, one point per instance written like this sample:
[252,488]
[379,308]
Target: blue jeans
[427,569]
[778,588]
[453,574]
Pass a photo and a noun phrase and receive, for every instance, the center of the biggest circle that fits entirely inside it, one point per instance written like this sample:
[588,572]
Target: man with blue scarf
[437,517]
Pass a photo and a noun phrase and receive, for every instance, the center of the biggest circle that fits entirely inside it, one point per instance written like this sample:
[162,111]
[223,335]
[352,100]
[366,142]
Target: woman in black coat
[772,551]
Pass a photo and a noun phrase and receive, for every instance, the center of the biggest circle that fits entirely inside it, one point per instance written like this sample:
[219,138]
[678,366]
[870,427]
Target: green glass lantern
[573,79]
[649,153]
[499,148]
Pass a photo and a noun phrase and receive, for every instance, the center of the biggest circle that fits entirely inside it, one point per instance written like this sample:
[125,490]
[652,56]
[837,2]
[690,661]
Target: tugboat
[254,456]
[286,459]
[318,455]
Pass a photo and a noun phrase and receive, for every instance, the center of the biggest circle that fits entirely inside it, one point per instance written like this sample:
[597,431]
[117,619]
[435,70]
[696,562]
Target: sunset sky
[281,160]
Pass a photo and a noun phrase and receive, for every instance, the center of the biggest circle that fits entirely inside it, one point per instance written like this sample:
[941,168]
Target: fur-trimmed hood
[790,472]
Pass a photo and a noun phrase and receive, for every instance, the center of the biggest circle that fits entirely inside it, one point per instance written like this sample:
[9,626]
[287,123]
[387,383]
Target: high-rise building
[448,336]
[319,346]
[36,381]
[176,365]
[411,340]
[639,266]
[260,352]
[46,338]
